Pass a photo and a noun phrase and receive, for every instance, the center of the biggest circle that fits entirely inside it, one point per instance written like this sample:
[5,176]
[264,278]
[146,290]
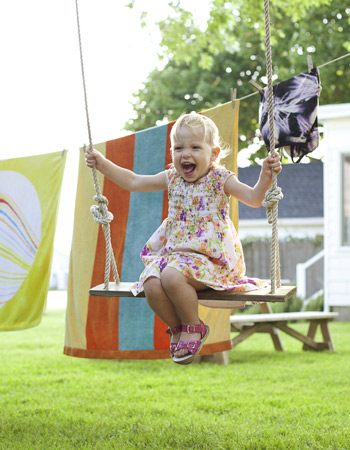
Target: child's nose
[186,151]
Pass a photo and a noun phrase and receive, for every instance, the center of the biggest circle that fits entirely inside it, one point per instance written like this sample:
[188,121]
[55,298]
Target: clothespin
[63,152]
[233,96]
[257,86]
[309,63]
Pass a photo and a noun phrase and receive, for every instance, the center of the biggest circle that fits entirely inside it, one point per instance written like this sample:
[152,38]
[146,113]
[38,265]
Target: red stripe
[102,319]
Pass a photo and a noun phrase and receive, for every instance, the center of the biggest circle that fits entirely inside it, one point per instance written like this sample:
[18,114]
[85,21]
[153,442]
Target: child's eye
[196,147]
[177,148]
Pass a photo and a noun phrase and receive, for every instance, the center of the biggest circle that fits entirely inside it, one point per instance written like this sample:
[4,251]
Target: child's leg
[182,292]
[160,303]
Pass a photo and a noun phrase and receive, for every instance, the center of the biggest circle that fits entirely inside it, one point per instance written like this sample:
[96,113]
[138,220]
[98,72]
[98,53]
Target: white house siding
[298,227]
[336,119]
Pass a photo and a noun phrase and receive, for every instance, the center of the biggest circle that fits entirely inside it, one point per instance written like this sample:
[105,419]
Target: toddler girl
[197,246]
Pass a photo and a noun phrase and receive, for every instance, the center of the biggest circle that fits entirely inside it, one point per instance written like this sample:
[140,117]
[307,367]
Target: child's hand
[272,163]
[94,158]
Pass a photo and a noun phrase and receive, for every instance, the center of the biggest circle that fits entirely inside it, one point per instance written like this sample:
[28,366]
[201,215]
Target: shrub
[315,304]
[294,304]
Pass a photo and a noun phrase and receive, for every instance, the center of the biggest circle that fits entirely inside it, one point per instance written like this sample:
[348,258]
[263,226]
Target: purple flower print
[223,214]
[145,251]
[183,216]
[201,205]
[187,260]
[162,264]
[221,236]
[199,232]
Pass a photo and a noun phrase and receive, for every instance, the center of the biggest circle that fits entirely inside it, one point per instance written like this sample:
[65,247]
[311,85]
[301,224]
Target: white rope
[274,192]
[322,65]
[100,211]
[272,196]
[101,215]
[334,60]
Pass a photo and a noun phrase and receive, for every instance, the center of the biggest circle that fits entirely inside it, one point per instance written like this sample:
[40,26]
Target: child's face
[192,154]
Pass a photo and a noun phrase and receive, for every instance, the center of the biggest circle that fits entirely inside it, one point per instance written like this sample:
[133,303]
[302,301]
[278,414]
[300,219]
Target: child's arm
[125,178]
[254,196]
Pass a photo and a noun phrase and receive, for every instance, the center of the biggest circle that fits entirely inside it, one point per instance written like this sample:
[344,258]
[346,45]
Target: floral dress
[198,238]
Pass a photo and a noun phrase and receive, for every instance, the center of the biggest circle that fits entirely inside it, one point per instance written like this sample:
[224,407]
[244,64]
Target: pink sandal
[193,347]
[173,331]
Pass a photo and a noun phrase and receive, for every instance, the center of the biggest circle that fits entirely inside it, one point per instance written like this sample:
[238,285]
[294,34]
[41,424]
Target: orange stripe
[121,152]
[102,318]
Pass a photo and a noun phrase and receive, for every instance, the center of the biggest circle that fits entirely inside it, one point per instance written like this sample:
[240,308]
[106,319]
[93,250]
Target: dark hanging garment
[295,114]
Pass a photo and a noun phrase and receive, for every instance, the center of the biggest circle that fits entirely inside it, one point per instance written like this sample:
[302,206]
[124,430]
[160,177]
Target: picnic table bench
[248,324]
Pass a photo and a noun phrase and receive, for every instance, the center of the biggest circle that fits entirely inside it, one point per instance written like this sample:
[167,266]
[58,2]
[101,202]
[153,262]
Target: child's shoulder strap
[170,175]
[223,173]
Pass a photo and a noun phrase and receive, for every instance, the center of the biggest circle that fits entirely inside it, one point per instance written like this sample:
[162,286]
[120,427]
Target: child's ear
[215,153]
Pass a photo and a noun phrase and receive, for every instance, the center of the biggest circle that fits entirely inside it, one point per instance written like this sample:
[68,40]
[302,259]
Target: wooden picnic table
[269,322]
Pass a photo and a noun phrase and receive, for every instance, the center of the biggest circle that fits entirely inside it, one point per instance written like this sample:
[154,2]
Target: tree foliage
[202,65]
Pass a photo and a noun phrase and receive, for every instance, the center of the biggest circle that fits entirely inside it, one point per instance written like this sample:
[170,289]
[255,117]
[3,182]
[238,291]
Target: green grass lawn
[261,400]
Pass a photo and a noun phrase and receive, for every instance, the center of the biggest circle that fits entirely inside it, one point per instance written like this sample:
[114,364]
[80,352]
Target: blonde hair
[204,125]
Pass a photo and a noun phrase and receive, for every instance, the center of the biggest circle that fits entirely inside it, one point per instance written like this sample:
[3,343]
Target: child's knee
[170,278]
[152,286]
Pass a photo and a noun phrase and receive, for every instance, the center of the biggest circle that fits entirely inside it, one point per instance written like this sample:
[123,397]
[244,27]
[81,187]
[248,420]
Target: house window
[346,200]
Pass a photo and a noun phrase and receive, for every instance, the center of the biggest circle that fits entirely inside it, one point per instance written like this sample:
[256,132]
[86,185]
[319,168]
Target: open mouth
[188,169]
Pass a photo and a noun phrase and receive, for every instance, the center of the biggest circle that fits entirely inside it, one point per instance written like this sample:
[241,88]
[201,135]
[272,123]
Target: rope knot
[272,197]
[100,211]
[101,199]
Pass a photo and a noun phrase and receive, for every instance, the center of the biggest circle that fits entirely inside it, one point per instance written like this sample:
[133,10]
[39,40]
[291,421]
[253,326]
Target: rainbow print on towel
[20,238]
[29,194]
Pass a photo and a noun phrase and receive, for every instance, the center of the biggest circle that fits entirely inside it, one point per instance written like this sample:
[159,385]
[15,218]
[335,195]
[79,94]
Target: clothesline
[322,65]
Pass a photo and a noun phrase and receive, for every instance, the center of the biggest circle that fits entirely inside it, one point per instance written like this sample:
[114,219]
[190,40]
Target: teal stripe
[136,319]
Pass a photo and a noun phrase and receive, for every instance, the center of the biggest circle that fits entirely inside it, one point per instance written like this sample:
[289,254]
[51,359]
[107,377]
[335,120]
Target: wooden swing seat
[209,298]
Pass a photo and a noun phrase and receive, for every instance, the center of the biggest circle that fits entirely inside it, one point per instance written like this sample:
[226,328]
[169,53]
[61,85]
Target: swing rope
[100,212]
[273,195]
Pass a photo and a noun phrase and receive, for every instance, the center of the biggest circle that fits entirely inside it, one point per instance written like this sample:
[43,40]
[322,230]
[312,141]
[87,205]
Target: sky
[41,96]
[42,106]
